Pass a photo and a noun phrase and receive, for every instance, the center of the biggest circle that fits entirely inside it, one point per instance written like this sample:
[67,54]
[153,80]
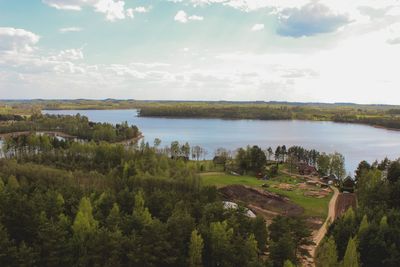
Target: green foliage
[140,212]
[351,257]
[69,203]
[1,185]
[368,236]
[393,174]
[363,225]
[260,233]
[288,263]
[73,126]
[251,159]
[196,249]
[287,236]
[13,182]
[84,223]
[282,250]
[326,254]
[220,243]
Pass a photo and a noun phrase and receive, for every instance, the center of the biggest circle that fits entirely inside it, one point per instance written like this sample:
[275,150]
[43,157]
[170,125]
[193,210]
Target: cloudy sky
[292,50]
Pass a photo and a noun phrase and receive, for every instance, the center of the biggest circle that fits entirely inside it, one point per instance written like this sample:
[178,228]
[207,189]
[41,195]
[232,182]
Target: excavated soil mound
[261,202]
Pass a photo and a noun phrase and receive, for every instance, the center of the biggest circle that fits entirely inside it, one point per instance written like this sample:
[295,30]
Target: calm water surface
[355,142]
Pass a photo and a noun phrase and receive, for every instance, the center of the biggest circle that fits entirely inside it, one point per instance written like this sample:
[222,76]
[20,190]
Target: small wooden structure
[347,185]
[305,169]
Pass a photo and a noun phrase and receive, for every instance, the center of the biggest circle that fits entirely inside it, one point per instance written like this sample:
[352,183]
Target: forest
[387,116]
[95,202]
[74,126]
[69,203]
[370,234]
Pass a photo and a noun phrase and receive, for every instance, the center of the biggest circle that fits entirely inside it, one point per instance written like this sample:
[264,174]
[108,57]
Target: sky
[241,50]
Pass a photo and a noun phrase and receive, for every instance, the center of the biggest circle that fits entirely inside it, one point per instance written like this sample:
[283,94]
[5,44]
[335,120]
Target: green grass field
[313,207]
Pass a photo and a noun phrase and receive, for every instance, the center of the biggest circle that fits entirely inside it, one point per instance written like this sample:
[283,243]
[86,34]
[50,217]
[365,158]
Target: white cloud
[195,17]
[70,29]
[66,4]
[142,9]
[69,55]
[17,40]
[112,9]
[130,12]
[182,17]
[257,27]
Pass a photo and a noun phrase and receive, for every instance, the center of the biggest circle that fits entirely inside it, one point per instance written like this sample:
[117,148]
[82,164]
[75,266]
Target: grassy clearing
[314,207]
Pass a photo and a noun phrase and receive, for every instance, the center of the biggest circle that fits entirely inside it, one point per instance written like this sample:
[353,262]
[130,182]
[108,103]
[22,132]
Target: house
[331,179]
[305,169]
[347,185]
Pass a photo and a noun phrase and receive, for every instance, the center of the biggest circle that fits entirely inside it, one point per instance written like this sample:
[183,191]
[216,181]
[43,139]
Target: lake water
[356,142]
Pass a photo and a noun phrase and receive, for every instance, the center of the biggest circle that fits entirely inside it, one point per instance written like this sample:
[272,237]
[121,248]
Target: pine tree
[251,249]
[327,254]
[351,257]
[84,221]
[384,222]
[1,185]
[364,224]
[8,250]
[140,212]
[114,218]
[221,247]
[13,182]
[195,250]
[26,256]
[261,233]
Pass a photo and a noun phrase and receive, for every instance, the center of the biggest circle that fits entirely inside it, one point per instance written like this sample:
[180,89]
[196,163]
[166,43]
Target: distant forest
[386,116]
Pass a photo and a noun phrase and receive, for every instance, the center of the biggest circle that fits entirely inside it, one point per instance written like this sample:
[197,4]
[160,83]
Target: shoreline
[64,135]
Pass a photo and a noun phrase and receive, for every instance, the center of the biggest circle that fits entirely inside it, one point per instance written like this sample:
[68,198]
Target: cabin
[331,180]
[347,185]
[305,169]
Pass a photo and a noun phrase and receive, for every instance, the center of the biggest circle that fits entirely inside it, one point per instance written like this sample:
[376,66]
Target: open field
[313,207]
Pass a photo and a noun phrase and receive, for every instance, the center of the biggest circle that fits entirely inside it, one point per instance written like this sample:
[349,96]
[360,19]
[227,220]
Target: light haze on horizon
[235,50]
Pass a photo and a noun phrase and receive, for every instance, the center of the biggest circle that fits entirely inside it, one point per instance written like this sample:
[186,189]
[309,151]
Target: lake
[356,142]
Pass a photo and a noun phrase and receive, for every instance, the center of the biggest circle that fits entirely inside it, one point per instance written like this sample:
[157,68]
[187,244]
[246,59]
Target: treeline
[371,115]
[390,122]
[255,160]
[65,203]
[369,235]
[218,111]
[77,126]
[11,117]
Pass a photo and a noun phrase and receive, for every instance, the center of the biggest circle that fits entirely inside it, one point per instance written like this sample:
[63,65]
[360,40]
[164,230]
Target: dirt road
[331,217]
[319,235]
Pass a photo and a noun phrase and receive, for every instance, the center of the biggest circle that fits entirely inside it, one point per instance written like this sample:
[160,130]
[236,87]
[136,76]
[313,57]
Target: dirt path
[319,235]
[331,217]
